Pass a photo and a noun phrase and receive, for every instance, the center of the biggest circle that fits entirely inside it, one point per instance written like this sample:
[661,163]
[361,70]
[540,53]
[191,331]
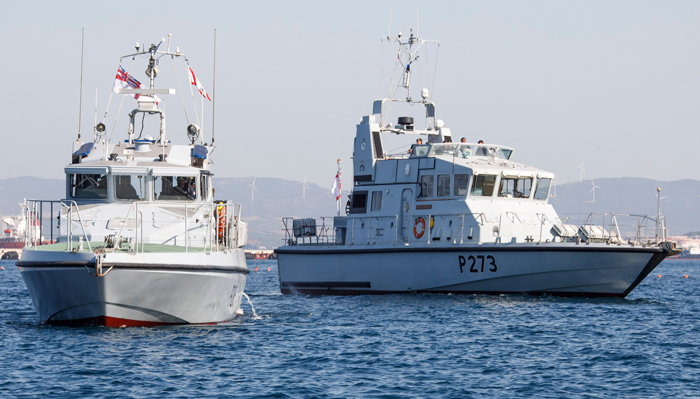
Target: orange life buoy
[422,230]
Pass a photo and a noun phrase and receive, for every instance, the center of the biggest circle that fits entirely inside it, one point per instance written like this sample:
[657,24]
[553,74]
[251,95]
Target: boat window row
[444,188]
[510,187]
[460,150]
[137,187]
[446,185]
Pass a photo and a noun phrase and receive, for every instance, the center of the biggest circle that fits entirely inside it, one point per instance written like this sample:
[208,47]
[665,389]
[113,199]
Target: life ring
[422,230]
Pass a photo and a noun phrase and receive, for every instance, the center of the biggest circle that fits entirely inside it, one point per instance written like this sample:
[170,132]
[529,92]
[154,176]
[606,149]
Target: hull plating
[135,293]
[565,270]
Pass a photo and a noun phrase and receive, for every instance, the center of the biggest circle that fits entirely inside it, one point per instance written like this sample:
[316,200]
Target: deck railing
[220,222]
[613,228]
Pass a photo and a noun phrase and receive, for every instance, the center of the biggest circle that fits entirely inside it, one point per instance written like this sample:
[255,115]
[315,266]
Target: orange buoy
[686,276]
[256,269]
[659,276]
[3,268]
[268,269]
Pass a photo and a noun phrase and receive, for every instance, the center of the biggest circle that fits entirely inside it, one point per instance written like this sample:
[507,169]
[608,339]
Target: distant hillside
[278,198]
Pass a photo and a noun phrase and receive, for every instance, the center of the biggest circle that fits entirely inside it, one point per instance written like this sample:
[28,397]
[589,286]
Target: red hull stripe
[107,321]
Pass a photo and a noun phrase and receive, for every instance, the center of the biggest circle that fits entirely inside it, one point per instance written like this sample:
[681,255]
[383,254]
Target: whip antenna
[213,93]
[80,107]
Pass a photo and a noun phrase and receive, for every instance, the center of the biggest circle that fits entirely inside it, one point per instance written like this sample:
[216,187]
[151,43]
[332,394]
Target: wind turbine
[593,190]
[582,170]
[304,186]
[252,190]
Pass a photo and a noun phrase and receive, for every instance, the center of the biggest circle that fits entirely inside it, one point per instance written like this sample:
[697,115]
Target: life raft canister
[416,232]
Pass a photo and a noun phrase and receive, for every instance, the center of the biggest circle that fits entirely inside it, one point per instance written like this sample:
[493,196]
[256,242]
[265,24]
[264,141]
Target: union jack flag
[124,80]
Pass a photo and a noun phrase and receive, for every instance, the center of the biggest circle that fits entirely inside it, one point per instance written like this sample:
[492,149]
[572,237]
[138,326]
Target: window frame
[145,188]
[104,175]
[476,180]
[466,187]
[160,176]
[449,185]
[353,199]
[431,185]
[549,188]
[377,196]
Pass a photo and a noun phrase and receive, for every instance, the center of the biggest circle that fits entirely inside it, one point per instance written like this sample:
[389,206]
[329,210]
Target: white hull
[144,289]
[595,270]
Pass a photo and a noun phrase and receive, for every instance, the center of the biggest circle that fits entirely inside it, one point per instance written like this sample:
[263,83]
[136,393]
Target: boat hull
[139,290]
[594,270]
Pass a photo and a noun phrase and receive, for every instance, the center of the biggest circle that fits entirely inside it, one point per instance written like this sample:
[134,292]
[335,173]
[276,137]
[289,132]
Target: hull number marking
[477,263]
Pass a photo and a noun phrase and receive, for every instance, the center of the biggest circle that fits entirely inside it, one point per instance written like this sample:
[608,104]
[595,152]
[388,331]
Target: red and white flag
[195,81]
[335,189]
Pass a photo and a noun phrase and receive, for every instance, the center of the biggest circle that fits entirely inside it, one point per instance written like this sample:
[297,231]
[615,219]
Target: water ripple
[392,346]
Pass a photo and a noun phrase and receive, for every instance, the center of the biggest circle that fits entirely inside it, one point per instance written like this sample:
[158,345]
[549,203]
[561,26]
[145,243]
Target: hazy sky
[614,83]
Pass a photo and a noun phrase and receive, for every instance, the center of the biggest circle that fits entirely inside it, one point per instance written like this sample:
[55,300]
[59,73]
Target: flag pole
[337,200]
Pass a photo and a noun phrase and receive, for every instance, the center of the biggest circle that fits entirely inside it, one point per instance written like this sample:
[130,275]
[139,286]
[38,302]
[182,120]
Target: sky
[613,85]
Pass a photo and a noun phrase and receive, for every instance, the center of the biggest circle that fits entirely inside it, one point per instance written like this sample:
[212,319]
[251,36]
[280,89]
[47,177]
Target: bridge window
[483,185]
[443,186]
[175,188]
[515,187]
[461,183]
[542,191]
[130,187]
[88,186]
[427,186]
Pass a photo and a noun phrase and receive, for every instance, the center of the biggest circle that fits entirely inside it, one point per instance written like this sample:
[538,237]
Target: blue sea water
[393,346]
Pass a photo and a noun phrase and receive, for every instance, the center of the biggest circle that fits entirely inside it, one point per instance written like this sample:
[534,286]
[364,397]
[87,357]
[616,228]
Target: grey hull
[563,270]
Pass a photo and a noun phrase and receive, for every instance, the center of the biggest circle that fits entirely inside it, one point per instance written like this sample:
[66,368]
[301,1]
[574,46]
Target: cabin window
[419,150]
[515,187]
[443,186]
[542,190]
[175,188]
[358,204]
[483,185]
[130,187]
[204,190]
[461,183]
[427,186]
[377,200]
[88,186]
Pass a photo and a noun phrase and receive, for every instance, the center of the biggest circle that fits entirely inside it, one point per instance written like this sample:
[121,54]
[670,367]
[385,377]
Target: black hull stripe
[331,291]
[323,250]
[193,268]
[326,284]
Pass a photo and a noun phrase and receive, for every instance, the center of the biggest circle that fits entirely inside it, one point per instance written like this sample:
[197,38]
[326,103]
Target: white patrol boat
[456,218]
[140,239]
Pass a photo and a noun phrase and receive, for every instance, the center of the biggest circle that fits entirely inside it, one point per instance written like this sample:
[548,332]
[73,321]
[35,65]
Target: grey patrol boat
[140,239]
[463,218]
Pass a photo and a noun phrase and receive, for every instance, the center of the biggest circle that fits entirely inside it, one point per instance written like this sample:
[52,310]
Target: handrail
[70,212]
[610,228]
